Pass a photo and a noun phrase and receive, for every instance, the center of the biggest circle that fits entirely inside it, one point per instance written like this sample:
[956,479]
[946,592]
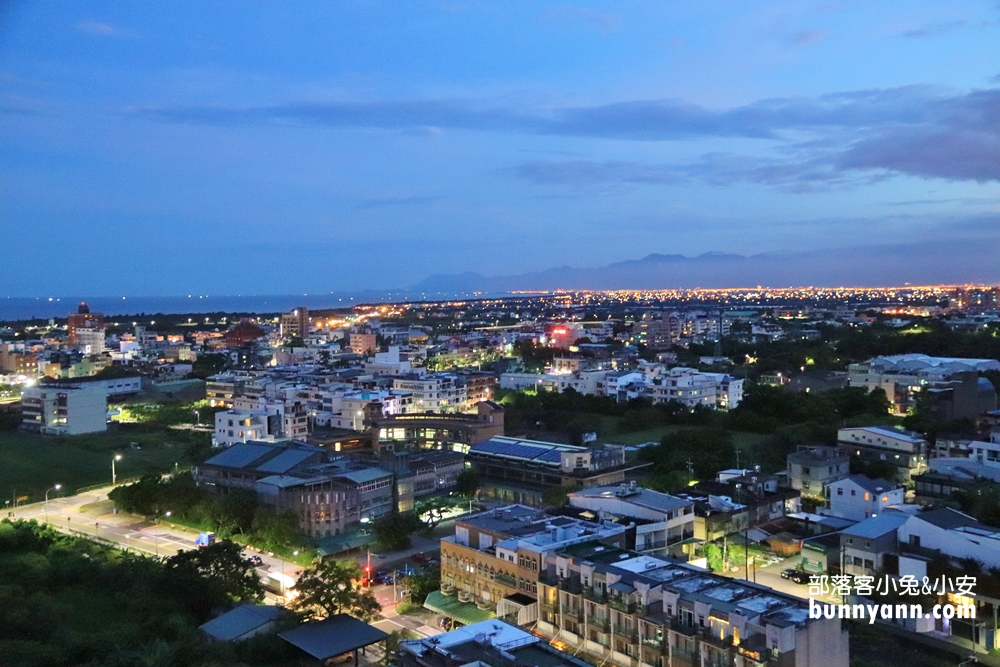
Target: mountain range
[951,262]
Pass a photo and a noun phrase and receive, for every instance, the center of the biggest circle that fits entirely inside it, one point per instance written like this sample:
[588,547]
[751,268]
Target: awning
[330,546]
[463,612]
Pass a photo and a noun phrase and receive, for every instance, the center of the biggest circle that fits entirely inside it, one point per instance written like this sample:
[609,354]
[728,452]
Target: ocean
[25,308]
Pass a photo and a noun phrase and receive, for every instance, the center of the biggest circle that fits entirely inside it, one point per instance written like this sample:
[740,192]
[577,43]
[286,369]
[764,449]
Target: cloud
[933,30]
[603,21]
[96,28]
[809,37]
[827,141]
[383,202]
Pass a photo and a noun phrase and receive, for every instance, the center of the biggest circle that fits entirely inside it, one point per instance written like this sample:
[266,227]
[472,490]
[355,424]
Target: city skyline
[350,147]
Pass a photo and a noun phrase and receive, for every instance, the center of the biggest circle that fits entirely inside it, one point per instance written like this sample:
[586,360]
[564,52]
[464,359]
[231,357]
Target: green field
[33,463]
[741,440]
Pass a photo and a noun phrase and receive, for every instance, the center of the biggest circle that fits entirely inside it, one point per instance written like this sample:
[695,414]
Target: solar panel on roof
[551,455]
[239,455]
[285,461]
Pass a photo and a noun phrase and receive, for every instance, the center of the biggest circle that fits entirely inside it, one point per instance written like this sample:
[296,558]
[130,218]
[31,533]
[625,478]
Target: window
[854,492]
[840,491]
[868,496]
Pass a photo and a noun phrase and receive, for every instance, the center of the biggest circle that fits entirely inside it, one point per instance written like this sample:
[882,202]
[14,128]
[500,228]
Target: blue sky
[167,148]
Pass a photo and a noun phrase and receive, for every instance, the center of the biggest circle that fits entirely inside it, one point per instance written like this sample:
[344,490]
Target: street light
[114,477]
[54,488]
[197,416]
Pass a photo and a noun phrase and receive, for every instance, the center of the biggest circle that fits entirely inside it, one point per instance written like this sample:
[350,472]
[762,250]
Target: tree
[467,483]
[223,566]
[333,587]
[393,530]
[208,364]
[234,512]
[423,584]
[392,643]
[556,496]
[431,510]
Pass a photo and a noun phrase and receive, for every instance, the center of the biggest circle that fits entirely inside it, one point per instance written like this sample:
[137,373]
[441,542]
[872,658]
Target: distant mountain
[917,264]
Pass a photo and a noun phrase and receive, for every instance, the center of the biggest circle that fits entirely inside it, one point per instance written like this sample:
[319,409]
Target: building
[492,642]
[520,470]
[65,408]
[295,323]
[859,497]
[434,392]
[363,342]
[905,450]
[904,376]
[327,492]
[492,562]
[243,622]
[91,323]
[664,524]
[865,545]
[454,432]
[620,608]
[810,470]
[421,474]
[232,426]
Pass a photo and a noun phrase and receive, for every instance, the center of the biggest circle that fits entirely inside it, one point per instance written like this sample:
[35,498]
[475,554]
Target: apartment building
[621,608]
[859,497]
[664,523]
[65,408]
[520,470]
[295,323]
[493,560]
[811,470]
[905,450]
[328,493]
[956,390]
[491,642]
[454,432]
[436,392]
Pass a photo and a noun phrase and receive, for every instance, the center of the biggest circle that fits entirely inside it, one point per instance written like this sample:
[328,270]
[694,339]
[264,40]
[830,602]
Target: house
[243,622]
[858,497]
[665,524]
[865,545]
[810,470]
[905,450]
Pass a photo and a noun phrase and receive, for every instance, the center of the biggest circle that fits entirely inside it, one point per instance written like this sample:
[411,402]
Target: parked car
[256,561]
[798,576]
[420,558]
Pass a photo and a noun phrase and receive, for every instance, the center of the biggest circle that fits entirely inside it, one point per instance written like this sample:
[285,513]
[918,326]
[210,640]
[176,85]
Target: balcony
[623,605]
[595,594]
[600,623]
[625,633]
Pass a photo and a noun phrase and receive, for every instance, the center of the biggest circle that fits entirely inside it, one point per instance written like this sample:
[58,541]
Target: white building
[667,522]
[858,497]
[233,426]
[437,392]
[66,408]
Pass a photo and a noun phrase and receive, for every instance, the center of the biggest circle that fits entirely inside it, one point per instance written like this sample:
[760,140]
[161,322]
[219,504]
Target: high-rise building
[295,323]
[85,328]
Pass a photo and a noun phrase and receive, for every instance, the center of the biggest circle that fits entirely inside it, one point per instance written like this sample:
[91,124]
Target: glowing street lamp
[114,477]
[54,488]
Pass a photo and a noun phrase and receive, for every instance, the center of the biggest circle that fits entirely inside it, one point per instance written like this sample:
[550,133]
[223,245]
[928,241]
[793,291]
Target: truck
[279,583]
[205,540]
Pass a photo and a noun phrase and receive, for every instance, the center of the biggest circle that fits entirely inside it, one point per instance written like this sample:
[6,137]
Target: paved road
[91,514]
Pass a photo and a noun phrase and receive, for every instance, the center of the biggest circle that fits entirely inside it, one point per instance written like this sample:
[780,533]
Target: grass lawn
[741,440]
[33,463]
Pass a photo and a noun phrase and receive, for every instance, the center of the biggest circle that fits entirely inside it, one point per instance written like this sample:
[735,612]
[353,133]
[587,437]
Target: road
[91,514]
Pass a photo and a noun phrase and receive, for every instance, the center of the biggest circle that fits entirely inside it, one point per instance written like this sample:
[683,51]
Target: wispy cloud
[809,37]
[920,131]
[97,28]
[383,202]
[934,29]
[602,21]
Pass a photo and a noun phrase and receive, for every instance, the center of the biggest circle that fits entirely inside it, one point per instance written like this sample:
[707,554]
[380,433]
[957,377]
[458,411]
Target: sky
[162,148]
